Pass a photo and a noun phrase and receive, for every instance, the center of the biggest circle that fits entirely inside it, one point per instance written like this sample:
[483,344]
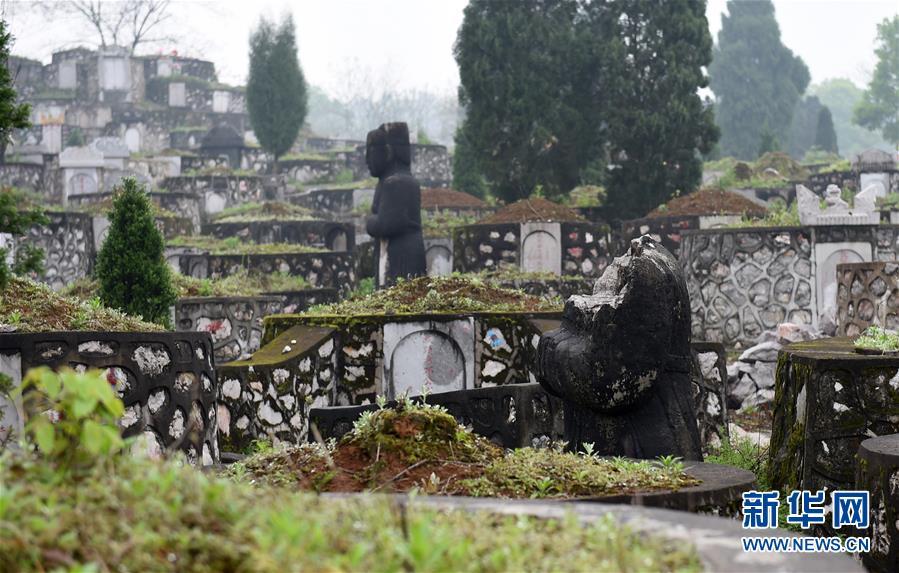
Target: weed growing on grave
[234,246]
[877,338]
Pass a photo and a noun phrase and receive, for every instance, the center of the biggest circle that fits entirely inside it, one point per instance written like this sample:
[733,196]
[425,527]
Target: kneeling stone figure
[621,360]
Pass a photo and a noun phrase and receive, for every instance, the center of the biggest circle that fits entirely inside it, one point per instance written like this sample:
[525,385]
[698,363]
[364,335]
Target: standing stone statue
[621,361]
[396,209]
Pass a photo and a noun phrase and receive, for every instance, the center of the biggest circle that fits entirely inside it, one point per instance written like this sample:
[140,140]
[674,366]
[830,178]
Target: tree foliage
[276,88]
[530,92]
[551,87]
[16,221]
[825,135]
[133,274]
[841,96]
[879,108]
[658,123]
[757,80]
[467,175]
[13,115]
[804,126]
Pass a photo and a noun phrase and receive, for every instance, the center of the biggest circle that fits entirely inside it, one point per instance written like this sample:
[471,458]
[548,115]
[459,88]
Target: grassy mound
[29,306]
[431,295]
[241,283]
[264,211]
[418,446]
[708,201]
[235,246]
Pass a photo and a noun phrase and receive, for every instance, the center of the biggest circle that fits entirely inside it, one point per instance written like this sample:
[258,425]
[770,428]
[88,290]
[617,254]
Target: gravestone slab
[541,248]
[435,355]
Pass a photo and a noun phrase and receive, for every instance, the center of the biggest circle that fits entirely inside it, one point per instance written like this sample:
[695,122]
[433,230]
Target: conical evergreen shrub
[131,268]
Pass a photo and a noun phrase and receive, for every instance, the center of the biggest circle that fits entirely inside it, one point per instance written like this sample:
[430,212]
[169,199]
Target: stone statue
[621,361]
[834,200]
[396,208]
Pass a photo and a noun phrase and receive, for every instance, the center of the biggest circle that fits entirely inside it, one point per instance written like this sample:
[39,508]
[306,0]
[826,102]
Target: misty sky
[410,41]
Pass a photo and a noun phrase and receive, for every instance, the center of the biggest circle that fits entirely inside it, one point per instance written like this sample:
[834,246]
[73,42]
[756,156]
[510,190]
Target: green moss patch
[429,295]
[29,306]
[420,446]
[264,211]
[241,283]
[138,515]
[435,224]
[234,246]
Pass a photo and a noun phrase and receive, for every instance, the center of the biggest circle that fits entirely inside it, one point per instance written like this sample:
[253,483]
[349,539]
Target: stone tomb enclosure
[828,399]
[325,269]
[745,281]
[166,381]
[321,361]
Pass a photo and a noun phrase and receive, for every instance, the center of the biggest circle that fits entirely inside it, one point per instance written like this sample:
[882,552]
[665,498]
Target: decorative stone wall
[818,182]
[335,202]
[563,248]
[431,165]
[68,245]
[28,176]
[867,293]
[512,416]
[330,235]
[235,323]
[745,281]
[165,379]
[878,473]
[563,287]
[218,192]
[828,399]
[308,170]
[327,269]
[666,230]
[486,247]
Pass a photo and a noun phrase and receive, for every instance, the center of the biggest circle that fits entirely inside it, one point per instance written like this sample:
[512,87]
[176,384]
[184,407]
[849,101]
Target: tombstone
[163,67]
[827,257]
[68,75]
[439,256]
[132,139]
[396,208]
[223,140]
[221,101]
[51,137]
[177,94]
[541,250]
[438,356]
[81,168]
[880,181]
[621,361]
[114,69]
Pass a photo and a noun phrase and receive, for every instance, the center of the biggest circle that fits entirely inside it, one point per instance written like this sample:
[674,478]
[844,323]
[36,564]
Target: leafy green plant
[877,338]
[71,417]
[134,276]
[16,222]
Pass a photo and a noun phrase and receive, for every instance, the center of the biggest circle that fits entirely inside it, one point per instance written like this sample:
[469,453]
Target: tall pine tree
[879,108]
[13,115]
[756,79]
[528,86]
[658,123]
[276,88]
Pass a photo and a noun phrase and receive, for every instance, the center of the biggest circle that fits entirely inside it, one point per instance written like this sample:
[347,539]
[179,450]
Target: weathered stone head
[387,147]
[625,351]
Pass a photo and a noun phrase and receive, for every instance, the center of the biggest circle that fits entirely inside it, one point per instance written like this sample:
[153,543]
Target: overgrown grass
[779,215]
[69,500]
[235,246]
[33,307]
[877,338]
[455,294]
[441,223]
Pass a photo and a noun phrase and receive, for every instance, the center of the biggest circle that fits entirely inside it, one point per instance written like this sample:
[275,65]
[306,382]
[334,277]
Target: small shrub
[134,276]
[877,338]
[16,222]
[72,418]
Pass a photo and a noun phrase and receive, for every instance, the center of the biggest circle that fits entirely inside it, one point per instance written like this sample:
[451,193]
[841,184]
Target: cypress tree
[658,123]
[276,88]
[879,108]
[825,135]
[133,274]
[756,79]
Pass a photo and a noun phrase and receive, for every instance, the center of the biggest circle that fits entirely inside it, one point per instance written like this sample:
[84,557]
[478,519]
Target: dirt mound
[532,210]
[786,166]
[708,202]
[441,198]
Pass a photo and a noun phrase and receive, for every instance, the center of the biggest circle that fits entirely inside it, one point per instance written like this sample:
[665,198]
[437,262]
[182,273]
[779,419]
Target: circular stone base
[720,489]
